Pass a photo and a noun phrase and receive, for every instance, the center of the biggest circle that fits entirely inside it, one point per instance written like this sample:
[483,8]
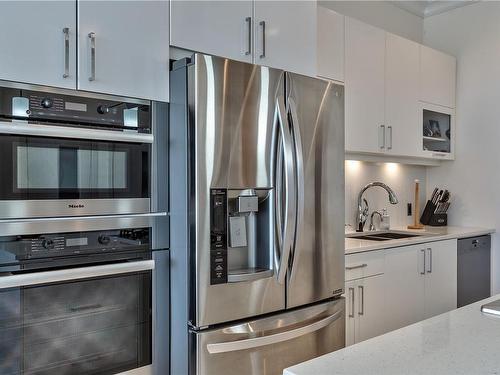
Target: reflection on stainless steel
[231,152]
[318,259]
[362,213]
[12,209]
[274,344]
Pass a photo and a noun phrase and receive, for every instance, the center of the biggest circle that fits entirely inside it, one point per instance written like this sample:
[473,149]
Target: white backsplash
[400,177]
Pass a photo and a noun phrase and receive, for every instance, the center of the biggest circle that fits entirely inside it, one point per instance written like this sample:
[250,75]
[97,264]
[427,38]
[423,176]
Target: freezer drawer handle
[225,347]
[36,278]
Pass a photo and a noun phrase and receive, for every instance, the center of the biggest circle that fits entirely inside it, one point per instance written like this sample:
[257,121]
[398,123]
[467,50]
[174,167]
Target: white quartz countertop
[463,341]
[429,234]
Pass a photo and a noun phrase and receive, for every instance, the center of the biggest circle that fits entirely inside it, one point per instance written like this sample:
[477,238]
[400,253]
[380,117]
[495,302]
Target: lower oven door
[267,346]
[89,320]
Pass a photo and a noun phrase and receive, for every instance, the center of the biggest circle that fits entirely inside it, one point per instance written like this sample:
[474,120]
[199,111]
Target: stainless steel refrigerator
[257,217]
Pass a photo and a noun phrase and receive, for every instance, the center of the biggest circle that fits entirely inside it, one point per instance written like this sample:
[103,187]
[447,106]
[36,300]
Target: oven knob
[47,103]
[102,109]
[47,244]
[104,240]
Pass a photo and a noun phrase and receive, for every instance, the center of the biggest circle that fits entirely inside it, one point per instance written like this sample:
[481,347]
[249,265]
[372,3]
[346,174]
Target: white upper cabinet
[401,96]
[221,28]
[123,48]
[285,35]
[38,42]
[437,77]
[330,44]
[364,88]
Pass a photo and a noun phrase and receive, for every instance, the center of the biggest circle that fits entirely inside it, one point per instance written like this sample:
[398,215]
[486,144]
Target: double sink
[383,236]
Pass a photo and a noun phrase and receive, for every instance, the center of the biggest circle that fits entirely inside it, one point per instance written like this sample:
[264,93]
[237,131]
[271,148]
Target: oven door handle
[71,274]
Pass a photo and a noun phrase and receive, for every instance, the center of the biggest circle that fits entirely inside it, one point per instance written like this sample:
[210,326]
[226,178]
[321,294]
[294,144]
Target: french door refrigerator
[257,217]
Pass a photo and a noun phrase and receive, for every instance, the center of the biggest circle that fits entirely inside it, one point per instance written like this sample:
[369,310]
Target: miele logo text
[76,206]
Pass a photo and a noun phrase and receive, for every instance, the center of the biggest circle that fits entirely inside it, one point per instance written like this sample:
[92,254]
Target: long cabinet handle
[248,20]
[92,56]
[44,277]
[66,52]
[361,300]
[263,26]
[382,137]
[424,268]
[349,268]
[430,260]
[351,292]
[389,128]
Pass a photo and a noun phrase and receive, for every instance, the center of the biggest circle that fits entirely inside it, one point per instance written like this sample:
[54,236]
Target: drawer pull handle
[356,267]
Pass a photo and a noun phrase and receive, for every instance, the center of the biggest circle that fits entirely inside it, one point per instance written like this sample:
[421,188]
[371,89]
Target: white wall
[398,176]
[472,34]
[381,14]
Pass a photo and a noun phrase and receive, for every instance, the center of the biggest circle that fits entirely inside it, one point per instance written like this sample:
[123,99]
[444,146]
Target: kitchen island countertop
[462,341]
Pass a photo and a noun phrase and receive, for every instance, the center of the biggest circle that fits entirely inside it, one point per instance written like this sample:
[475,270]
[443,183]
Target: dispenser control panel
[218,236]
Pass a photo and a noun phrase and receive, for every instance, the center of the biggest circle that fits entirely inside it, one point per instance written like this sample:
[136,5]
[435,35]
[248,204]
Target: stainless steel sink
[382,236]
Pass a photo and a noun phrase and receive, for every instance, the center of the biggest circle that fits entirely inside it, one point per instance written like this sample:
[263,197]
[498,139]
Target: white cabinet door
[33,44]
[404,286]
[437,77]
[131,54]
[351,312]
[404,133]
[330,44]
[285,35]
[364,82]
[371,312]
[221,28]
[441,277]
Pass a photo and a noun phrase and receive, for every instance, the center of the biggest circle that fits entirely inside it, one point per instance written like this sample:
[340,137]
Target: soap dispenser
[385,223]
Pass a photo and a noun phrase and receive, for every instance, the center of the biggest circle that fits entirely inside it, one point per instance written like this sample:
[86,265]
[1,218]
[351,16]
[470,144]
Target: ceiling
[429,8]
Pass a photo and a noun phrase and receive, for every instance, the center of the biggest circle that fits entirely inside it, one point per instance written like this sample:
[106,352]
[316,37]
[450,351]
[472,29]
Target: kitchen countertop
[429,234]
[463,341]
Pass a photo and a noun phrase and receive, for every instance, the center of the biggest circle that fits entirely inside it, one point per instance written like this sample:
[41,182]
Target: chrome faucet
[363,212]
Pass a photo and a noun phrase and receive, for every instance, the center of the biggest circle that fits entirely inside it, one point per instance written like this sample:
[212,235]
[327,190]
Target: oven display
[84,241]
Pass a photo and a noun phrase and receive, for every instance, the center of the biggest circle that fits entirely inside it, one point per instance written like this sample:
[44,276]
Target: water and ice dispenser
[242,239]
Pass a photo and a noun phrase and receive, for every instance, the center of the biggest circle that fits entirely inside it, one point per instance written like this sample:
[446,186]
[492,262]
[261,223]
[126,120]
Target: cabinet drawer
[364,264]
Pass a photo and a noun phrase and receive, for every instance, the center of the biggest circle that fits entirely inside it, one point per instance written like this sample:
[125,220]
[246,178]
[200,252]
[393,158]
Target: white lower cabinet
[420,282]
[389,289]
[365,309]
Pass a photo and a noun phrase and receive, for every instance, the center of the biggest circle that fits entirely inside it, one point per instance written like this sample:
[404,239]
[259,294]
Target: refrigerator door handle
[224,347]
[287,232]
[299,163]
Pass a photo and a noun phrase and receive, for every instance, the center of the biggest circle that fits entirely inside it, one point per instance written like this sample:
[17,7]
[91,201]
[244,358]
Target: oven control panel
[60,107]
[218,236]
[75,243]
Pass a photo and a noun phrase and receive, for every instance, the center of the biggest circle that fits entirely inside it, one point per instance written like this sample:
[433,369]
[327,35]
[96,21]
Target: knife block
[428,213]
[439,220]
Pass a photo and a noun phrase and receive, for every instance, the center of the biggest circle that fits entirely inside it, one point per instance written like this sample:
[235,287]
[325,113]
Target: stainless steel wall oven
[67,153]
[83,301]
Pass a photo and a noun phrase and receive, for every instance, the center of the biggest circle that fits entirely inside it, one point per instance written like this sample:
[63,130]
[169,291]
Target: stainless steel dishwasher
[473,272]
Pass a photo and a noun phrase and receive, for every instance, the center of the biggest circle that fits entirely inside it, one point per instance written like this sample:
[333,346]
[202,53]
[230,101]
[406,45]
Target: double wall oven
[84,283]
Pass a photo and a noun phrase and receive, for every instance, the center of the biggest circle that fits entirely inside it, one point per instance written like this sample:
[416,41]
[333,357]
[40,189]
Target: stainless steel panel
[234,129]
[19,227]
[267,346]
[316,111]
[23,128]
[12,209]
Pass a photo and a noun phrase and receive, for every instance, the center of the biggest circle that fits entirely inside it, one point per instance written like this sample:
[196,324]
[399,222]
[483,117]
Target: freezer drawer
[268,345]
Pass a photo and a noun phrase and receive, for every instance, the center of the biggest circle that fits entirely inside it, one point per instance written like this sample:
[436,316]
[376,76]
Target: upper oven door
[49,176]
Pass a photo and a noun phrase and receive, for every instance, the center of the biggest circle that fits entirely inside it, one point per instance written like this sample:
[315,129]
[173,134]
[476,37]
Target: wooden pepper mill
[416,209]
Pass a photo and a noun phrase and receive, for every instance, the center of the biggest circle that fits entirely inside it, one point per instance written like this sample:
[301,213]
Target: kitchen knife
[434,194]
